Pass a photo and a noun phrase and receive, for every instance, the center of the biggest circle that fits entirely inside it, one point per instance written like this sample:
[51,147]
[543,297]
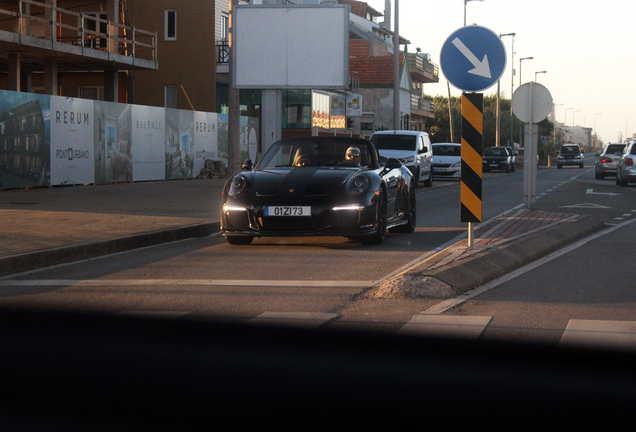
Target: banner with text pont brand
[72,130]
[52,140]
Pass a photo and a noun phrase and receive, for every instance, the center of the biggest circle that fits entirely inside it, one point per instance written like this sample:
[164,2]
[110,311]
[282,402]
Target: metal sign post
[531,103]
[472,59]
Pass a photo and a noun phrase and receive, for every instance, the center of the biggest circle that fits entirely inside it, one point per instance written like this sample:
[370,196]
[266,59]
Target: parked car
[570,154]
[412,148]
[447,160]
[625,171]
[606,160]
[497,158]
[319,186]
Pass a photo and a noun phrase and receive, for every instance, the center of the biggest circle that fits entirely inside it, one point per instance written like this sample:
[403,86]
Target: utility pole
[234,111]
[396,69]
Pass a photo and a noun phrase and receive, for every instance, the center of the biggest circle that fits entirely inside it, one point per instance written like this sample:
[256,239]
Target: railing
[222,52]
[421,104]
[420,63]
[121,39]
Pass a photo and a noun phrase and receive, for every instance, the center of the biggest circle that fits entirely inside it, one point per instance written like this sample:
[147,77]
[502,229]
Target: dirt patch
[412,286]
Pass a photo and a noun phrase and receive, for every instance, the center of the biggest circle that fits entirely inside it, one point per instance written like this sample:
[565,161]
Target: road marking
[179,282]
[464,327]
[591,192]
[293,319]
[600,334]
[456,301]
[586,206]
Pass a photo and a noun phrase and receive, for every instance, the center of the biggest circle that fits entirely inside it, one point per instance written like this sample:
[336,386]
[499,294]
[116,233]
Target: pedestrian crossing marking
[464,327]
[600,334]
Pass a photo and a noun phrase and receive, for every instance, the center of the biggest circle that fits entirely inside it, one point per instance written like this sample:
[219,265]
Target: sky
[586,47]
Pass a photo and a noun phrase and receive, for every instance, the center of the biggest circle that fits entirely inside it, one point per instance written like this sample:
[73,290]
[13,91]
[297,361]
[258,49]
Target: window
[92,40]
[225,27]
[170,96]
[170,24]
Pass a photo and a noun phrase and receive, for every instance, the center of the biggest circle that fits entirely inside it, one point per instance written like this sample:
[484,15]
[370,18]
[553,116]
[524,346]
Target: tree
[439,127]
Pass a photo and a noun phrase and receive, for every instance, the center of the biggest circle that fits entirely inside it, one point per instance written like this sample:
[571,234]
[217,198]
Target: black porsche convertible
[319,186]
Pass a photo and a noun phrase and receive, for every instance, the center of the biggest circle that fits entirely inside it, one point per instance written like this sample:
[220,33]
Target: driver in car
[353,155]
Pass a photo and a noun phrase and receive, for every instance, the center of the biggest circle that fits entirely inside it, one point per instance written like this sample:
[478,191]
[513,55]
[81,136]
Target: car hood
[398,154]
[300,181]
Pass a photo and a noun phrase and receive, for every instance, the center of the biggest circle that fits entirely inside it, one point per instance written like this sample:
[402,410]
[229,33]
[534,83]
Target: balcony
[76,41]
[421,107]
[423,70]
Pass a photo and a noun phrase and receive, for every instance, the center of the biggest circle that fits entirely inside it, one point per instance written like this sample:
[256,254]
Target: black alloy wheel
[411,214]
[377,238]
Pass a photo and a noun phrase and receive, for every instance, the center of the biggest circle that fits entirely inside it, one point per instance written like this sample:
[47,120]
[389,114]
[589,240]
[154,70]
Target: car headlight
[407,160]
[239,183]
[559,157]
[357,185]
[457,164]
[577,157]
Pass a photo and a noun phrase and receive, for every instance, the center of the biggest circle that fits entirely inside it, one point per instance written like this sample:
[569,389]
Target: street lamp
[520,60]
[536,73]
[626,139]
[466,1]
[498,134]
[595,133]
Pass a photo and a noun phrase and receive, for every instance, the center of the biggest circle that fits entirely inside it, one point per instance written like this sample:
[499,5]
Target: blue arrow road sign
[473,58]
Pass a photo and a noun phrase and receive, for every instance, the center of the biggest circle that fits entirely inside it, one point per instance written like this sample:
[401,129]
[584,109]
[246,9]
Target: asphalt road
[317,279]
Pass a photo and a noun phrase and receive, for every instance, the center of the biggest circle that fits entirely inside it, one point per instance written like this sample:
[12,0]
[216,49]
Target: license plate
[493,165]
[441,169]
[288,211]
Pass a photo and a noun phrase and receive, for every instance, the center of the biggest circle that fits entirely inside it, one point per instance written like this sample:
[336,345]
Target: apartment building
[72,48]
[186,53]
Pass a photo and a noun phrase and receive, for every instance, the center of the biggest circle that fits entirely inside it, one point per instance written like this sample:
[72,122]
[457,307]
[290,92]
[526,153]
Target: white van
[412,148]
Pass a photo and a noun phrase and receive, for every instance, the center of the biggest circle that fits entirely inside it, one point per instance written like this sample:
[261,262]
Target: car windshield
[490,151]
[570,150]
[317,153]
[394,142]
[447,150]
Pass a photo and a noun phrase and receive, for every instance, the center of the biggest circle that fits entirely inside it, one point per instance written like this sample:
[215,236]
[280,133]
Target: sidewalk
[48,226]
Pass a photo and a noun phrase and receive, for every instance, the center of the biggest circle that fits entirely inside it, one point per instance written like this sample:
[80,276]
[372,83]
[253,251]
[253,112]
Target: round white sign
[531,102]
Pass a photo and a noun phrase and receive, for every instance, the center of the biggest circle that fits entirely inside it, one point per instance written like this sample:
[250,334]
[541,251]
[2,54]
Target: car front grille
[287,223]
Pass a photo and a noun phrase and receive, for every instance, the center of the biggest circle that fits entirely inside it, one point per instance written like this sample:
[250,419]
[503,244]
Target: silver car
[606,160]
[625,170]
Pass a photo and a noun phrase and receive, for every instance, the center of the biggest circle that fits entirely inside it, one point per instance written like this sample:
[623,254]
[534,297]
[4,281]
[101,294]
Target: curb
[64,254]
[468,273]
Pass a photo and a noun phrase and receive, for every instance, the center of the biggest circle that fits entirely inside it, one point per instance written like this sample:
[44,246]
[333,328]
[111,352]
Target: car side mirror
[425,150]
[247,165]
[392,163]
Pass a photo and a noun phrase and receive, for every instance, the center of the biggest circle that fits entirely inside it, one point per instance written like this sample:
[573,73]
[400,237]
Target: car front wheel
[410,214]
[377,238]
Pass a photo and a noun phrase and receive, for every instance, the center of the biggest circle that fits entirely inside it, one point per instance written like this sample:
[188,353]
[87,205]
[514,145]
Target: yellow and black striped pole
[472,143]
